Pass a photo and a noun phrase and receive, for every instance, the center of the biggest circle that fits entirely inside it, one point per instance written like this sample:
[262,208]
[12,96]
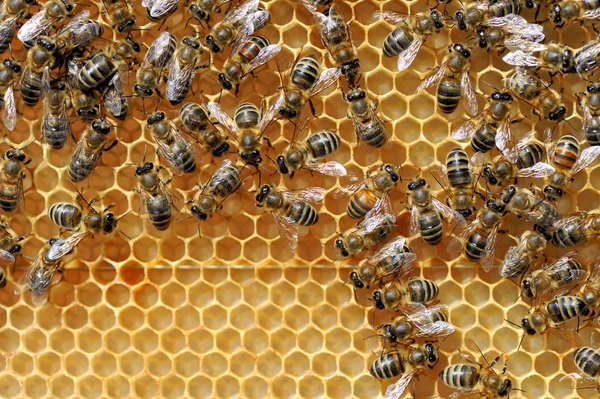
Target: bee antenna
[123,233]
[145,148]
[123,215]
[571,125]
[521,342]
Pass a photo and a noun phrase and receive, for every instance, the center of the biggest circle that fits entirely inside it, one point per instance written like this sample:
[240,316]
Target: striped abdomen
[475,247]
[529,155]
[373,133]
[159,211]
[360,203]
[228,181]
[566,275]
[588,361]
[306,72]
[82,162]
[249,51]
[397,41]
[335,30]
[484,138]
[421,290]
[301,213]
[591,129]
[525,86]
[569,235]
[566,152]
[55,130]
[322,144]
[389,365]
[31,87]
[430,226]
[448,94]
[564,308]
[100,69]
[10,195]
[457,165]
[247,116]
[504,7]
[460,376]
[65,215]
[183,157]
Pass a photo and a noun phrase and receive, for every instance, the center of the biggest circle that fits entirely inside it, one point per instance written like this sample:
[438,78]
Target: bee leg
[312,107]
[111,146]
[237,89]
[269,144]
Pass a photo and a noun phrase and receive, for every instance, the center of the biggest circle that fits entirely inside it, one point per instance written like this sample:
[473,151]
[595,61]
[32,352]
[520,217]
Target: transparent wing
[512,153]
[396,390]
[504,135]
[147,3]
[160,52]
[469,127]
[162,7]
[438,171]
[7,28]
[77,27]
[561,267]
[268,117]
[468,94]
[392,17]
[287,231]
[575,381]
[538,170]
[521,58]
[413,229]
[328,77]
[398,260]
[449,214]
[6,258]
[382,206]
[244,33]
[35,26]
[113,100]
[309,5]
[456,244]
[512,257]
[349,189]
[433,78]
[377,221]
[591,14]
[595,340]
[241,11]
[311,195]
[487,262]
[594,271]
[422,318]
[585,159]
[63,247]
[38,279]
[330,168]
[173,151]
[178,78]
[265,55]
[9,111]
[406,57]
[528,44]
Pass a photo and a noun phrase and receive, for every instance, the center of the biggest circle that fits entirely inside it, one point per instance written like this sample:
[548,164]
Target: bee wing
[393,249]
[241,11]
[413,228]
[433,78]
[311,195]
[62,247]
[438,171]
[77,27]
[595,339]
[287,231]
[456,244]
[538,170]
[469,127]
[327,23]
[375,221]
[392,17]
[468,94]
[159,53]
[576,381]
[310,6]
[330,168]
[396,390]
[421,316]
[268,117]
[9,111]
[245,31]
[349,189]
[328,77]
[112,100]
[524,44]
[562,263]
[448,213]
[513,255]
[217,112]
[7,28]
[587,117]
[594,271]
[523,59]
[406,57]
[487,262]
[178,77]
[512,152]
[147,3]
[585,159]
[35,26]
[265,55]
[165,150]
[382,206]
[504,135]
[38,275]
[6,258]
[160,8]
[592,14]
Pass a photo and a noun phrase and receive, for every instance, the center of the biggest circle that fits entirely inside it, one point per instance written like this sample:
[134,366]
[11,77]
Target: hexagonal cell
[103,318]
[76,364]
[104,364]
[48,363]
[34,340]
[35,386]
[186,364]
[160,318]
[145,340]
[145,387]
[131,363]
[117,386]
[62,386]
[201,341]
[22,364]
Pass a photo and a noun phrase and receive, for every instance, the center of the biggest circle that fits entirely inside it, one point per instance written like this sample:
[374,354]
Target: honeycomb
[233,313]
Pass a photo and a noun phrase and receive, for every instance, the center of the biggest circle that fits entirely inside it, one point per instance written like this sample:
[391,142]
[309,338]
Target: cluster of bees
[71,77]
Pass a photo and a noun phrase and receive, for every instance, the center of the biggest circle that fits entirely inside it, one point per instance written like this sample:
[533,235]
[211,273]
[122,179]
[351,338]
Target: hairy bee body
[317,146]
[119,14]
[240,63]
[87,154]
[414,290]
[195,119]
[156,201]
[97,71]
[367,125]
[405,360]
[65,215]
[39,58]
[470,378]
[576,230]
[363,237]
[56,127]
[376,188]
[457,164]
[12,173]
[296,212]
[587,361]
[541,281]
[590,103]
[530,88]
[551,314]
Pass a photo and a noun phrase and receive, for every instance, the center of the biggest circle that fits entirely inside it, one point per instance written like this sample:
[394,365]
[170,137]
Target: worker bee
[368,127]
[290,209]
[195,119]
[590,292]
[531,89]
[520,257]
[568,160]
[89,149]
[84,102]
[586,58]
[590,104]
[239,24]
[576,229]
[479,237]
[41,275]
[417,321]
[155,65]
[476,378]
[524,159]
[551,315]
[404,292]
[306,80]
[426,212]
[183,71]
[567,11]
[489,128]
[172,147]
[305,152]
[39,60]
[119,14]
[406,362]
[335,35]
[410,33]
[371,194]
[246,57]
[453,81]
[368,233]
[10,14]
[56,127]
[554,57]
[456,177]
[390,260]
[115,101]
[247,127]
[510,31]
[473,15]
[225,180]
[80,31]
[587,361]
[529,202]
[10,71]
[53,12]
[10,248]
[202,10]
[12,173]
[157,10]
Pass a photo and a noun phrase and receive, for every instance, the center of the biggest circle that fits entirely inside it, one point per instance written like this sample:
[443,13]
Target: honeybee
[247,127]
[410,33]
[9,73]
[195,119]
[387,261]
[183,71]
[41,275]
[476,379]
[368,233]
[479,237]
[489,128]
[563,273]
[417,321]
[405,292]
[520,257]
[456,177]
[590,292]
[238,25]
[407,362]
[246,57]
[524,159]
[12,173]
[551,315]
[453,81]
[80,31]
[10,248]
[89,149]
[426,212]
[306,80]
[531,89]
[115,101]
[587,361]
[157,10]
[368,127]
[290,209]
[225,180]
[10,13]
[56,127]
[202,10]
[576,229]
[39,60]
[371,194]
[335,35]
[84,102]
[478,13]
[119,14]
[530,203]
[510,31]
[566,11]
[554,57]
[176,151]
[587,59]
[305,152]
[568,160]
[590,104]
[153,68]
[53,12]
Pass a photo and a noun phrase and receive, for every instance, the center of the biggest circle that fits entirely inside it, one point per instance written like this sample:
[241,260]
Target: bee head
[46,42]
[413,185]
[392,172]
[553,193]
[432,355]
[126,26]
[69,6]
[141,169]
[389,333]
[558,114]
[459,17]
[16,249]
[262,193]
[378,300]
[339,244]
[110,223]
[156,117]
[350,70]
[12,65]
[356,280]
[198,13]
[356,94]
[134,45]
[527,289]
[495,205]
[593,88]
[101,126]
[438,19]
[142,91]
[460,48]
[501,96]
[527,326]
[489,176]
[482,39]
[556,13]
[192,42]
[198,213]
[281,165]
[87,113]
[225,82]
[210,43]
[508,193]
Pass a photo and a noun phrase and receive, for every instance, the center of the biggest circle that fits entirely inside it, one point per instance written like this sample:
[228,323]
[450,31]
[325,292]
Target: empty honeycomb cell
[506,338]
[365,387]
[480,336]
[449,293]
[476,294]
[201,341]
[145,340]
[379,83]
[131,363]
[214,317]
[296,317]
[34,340]
[255,250]
[158,364]
[35,386]
[310,340]
[131,273]
[104,364]
[172,387]
[117,386]
[145,249]
[34,204]
[352,364]
[242,364]
[9,341]
[104,273]
[145,387]
[89,294]
[62,386]
[338,387]
[283,341]
[117,341]
[558,390]
[534,386]
[324,364]
[145,296]
[227,387]
[269,317]
[187,318]
[76,363]
[255,387]
[173,341]
[48,363]
[282,294]
[214,364]
[268,364]
[117,295]
[21,317]
[103,318]
[131,318]
[338,340]
[228,294]
[423,107]
[89,340]
[338,295]
[62,294]
[463,316]
[547,364]
[186,364]
[310,294]
[45,179]
[9,386]
[201,294]
[21,363]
